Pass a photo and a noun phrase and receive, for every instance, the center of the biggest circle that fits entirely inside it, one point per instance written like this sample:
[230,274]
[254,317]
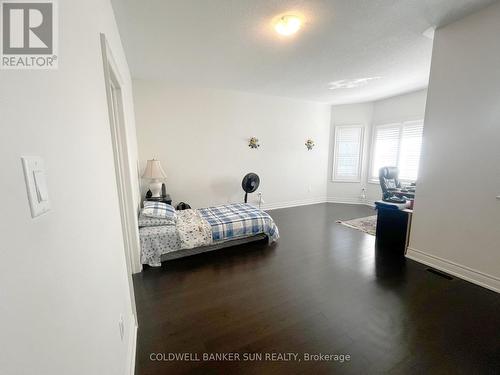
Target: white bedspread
[193,230]
[190,231]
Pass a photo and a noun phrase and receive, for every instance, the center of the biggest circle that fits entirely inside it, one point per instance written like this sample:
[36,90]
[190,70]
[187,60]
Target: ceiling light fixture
[288,25]
[350,84]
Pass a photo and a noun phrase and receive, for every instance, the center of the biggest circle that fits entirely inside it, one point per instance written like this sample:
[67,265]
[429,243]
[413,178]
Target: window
[397,145]
[348,153]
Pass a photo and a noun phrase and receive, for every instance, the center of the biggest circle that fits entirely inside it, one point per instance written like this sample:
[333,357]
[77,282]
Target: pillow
[145,221]
[159,210]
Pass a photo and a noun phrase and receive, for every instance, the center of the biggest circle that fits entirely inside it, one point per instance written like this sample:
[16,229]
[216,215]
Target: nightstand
[166,199]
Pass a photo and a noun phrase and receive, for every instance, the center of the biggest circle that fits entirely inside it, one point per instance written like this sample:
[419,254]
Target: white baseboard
[350,201]
[306,202]
[302,202]
[370,203]
[463,272]
[132,346]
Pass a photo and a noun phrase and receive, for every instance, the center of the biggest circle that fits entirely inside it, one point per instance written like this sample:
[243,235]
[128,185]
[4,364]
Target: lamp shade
[154,170]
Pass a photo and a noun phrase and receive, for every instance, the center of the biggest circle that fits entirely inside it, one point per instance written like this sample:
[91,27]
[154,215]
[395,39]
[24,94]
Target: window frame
[359,175]
[375,180]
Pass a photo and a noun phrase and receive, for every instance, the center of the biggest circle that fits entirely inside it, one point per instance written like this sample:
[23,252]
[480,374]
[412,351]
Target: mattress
[203,230]
[162,243]
[215,246]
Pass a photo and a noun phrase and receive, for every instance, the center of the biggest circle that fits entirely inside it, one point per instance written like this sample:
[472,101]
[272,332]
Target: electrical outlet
[121,327]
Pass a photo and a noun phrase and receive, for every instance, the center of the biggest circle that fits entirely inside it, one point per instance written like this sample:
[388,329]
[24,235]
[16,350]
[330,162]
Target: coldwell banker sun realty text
[29,34]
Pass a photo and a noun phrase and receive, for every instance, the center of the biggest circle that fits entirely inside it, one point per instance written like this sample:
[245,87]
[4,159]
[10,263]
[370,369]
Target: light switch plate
[36,185]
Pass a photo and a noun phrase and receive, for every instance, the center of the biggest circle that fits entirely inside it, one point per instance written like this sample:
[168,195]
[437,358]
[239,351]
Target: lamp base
[155,187]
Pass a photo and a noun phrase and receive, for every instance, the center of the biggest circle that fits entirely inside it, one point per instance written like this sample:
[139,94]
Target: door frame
[128,214]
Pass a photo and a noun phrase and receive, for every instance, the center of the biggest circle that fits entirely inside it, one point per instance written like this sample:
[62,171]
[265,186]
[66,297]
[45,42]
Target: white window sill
[345,181]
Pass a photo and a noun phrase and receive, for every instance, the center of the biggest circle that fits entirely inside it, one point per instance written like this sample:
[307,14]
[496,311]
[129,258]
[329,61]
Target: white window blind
[386,147]
[397,145]
[348,153]
[409,155]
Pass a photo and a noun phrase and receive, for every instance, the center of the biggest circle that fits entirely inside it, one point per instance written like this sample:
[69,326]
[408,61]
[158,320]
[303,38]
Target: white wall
[201,138]
[456,221]
[400,108]
[351,114]
[63,275]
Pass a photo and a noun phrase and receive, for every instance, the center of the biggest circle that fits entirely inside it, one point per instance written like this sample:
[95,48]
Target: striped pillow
[159,210]
[145,221]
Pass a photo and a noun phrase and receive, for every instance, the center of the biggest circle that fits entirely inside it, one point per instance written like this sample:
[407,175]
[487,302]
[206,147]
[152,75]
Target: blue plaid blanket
[239,220]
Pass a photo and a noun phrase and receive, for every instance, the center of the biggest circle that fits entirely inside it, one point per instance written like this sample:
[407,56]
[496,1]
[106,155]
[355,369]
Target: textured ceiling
[231,44]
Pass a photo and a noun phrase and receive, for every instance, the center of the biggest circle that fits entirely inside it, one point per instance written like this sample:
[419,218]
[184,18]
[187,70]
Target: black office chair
[388,177]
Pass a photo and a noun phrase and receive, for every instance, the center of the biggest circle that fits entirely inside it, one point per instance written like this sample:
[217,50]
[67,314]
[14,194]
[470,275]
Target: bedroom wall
[201,138]
[400,108]
[63,274]
[456,230]
[350,114]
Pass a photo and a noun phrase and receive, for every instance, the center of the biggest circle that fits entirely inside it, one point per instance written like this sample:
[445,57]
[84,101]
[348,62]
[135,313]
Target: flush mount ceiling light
[350,84]
[288,25]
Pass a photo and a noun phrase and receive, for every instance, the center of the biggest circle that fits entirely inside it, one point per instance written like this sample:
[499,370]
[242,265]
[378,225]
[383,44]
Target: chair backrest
[388,177]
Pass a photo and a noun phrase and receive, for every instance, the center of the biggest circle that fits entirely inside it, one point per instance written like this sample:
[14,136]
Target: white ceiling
[231,44]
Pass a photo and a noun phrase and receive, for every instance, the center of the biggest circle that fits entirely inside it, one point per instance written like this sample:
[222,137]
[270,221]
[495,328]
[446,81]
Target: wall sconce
[253,143]
[309,144]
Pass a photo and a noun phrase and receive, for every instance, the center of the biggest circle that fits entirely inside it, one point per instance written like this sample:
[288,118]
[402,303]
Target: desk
[393,229]
[408,228]
[402,193]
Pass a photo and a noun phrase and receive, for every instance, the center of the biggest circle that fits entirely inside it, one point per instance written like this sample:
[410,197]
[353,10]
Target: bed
[200,230]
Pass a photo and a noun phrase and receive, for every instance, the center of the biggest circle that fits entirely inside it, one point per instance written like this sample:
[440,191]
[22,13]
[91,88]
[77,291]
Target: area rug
[364,224]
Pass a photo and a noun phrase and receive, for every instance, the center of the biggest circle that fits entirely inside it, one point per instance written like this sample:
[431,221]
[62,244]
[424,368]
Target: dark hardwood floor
[323,288]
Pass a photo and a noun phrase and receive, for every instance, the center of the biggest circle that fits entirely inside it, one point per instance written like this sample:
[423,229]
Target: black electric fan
[249,184]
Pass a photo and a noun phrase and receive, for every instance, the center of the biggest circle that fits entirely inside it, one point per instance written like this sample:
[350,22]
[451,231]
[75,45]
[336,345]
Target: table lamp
[154,172]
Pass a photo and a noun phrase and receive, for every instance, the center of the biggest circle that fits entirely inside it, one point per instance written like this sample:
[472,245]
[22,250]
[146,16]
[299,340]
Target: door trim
[113,86]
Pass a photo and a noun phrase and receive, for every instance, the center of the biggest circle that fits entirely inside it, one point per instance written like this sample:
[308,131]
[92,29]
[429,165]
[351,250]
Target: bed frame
[217,246]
